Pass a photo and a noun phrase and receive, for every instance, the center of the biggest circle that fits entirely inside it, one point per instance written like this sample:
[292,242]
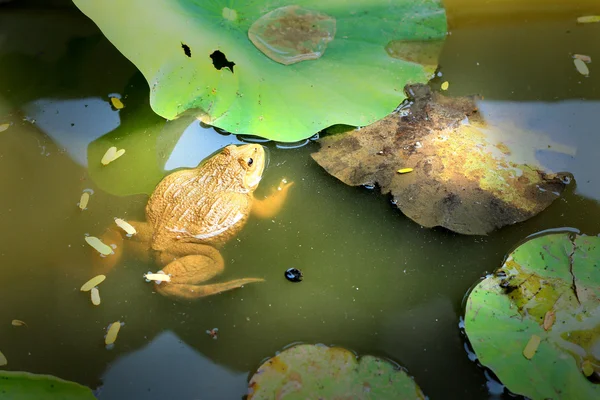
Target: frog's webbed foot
[189,271]
[271,205]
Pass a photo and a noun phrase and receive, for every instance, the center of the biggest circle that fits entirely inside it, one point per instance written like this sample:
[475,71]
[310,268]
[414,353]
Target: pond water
[374,281]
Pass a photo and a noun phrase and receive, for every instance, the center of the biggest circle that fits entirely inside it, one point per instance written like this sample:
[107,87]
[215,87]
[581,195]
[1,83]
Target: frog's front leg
[201,263]
[271,205]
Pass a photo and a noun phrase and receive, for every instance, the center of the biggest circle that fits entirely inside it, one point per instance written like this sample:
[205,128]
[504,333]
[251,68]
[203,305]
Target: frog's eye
[250,162]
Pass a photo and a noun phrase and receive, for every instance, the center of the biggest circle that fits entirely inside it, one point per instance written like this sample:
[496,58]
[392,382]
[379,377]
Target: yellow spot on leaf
[126,226]
[229,14]
[18,322]
[581,67]
[588,19]
[158,277]
[3,360]
[113,331]
[404,170]
[587,368]
[549,319]
[117,103]
[98,245]
[531,347]
[95,295]
[95,281]
[586,59]
[111,155]
[4,127]
[83,202]
[445,85]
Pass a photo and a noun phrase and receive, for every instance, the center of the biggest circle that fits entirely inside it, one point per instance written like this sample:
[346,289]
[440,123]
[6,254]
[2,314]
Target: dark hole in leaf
[220,61]
[186,49]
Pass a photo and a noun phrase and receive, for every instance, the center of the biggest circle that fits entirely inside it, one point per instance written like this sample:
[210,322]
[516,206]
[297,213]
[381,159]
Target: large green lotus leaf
[317,371]
[555,274]
[17,385]
[354,82]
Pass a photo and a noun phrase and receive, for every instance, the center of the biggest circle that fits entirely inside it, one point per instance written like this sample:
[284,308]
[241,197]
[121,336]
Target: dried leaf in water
[445,85]
[586,59]
[18,322]
[531,346]
[126,226]
[111,155]
[117,103]
[158,277]
[581,67]
[588,19]
[549,319]
[3,360]
[113,331]
[587,368]
[95,281]
[83,202]
[98,245]
[405,170]
[95,295]
[4,127]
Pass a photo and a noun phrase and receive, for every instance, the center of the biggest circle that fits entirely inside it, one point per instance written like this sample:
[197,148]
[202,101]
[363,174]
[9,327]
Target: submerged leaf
[98,245]
[198,56]
[506,314]
[83,202]
[319,372]
[18,385]
[95,281]
[95,296]
[4,127]
[113,331]
[126,226]
[581,67]
[18,322]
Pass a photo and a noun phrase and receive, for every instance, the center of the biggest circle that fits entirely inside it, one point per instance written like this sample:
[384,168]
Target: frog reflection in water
[194,211]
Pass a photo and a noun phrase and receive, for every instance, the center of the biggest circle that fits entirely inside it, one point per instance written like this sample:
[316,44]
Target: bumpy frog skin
[194,211]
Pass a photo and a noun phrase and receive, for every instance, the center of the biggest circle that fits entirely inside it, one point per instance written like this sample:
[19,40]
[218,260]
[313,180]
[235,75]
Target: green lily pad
[197,54]
[317,371]
[547,291]
[17,385]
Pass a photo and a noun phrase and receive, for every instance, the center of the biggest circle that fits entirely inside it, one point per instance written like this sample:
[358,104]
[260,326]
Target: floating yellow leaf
[83,202]
[18,322]
[583,57]
[111,155]
[531,347]
[3,360]
[445,85]
[587,368]
[117,103]
[405,170]
[95,295]
[95,281]
[98,245]
[588,19]
[126,226]
[581,67]
[158,277]
[4,127]
[113,331]
[549,319]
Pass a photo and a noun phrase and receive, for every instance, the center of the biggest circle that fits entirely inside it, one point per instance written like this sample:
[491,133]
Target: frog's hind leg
[187,272]
[116,238]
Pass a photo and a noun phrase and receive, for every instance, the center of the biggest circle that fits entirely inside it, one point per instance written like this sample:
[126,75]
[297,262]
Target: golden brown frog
[194,211]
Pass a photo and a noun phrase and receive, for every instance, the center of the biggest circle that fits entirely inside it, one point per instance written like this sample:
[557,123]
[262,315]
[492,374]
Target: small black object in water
[293,275]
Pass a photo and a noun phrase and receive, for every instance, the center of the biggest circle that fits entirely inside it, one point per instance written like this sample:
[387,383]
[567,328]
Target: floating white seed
[158,277]
[585,58]
[95,281]
[581,67]
[111,155]
[83,202]
[588,19]
[113,331]
[3,360]
[18,322]
[4,127]
[98,245]
[445,85]
[126,226]
[95,295]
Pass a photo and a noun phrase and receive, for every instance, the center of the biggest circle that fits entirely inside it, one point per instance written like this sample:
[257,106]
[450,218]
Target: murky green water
[375,282]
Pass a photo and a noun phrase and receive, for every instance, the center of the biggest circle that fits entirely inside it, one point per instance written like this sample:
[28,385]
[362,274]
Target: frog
[193,212]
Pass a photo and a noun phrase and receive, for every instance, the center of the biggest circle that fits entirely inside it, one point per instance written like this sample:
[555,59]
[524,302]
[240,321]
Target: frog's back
[204,204]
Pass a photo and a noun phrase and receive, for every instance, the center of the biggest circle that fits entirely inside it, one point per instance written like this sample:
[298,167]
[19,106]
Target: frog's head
[252,158]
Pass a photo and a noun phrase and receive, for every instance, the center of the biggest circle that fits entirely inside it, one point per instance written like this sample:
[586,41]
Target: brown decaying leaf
[458,181]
